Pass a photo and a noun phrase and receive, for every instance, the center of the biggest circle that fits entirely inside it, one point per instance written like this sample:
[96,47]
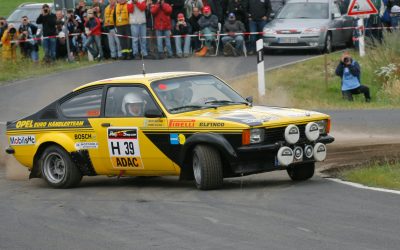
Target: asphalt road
[265,211]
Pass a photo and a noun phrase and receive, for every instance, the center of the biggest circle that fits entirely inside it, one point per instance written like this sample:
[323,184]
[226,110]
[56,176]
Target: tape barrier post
[66,31]
[260,68]
[361,39]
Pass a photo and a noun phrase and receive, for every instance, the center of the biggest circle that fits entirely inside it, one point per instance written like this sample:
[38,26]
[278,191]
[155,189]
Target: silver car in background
[309,24]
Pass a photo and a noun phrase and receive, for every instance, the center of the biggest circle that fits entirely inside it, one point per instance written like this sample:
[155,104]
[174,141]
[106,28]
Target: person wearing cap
[137,19]
[122,11]
[182,30]
[48,21]
[93,27]
[231,27]
[209,25]
[258,12]
[61,46]
[109,27]
[394,10]
[161,12]
[27,31]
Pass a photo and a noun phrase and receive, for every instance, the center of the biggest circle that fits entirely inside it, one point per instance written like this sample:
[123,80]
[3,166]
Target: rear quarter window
[86,104]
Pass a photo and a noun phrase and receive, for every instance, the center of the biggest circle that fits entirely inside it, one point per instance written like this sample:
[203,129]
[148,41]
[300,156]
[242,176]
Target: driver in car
[133,105]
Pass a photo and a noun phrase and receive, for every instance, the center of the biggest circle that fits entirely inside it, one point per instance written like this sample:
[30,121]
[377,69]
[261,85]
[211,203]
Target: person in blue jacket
[349,71]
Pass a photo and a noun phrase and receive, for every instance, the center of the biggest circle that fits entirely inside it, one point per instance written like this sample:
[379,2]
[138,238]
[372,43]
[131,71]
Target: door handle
[106,124]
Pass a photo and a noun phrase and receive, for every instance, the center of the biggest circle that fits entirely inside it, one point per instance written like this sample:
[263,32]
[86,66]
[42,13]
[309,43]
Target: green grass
[8,6]
[375,175]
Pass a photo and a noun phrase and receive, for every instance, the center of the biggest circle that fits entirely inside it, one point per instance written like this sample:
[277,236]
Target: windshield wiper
[224,102]
[187,107]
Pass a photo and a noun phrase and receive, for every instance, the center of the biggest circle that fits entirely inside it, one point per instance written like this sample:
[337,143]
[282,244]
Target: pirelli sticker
[123,145]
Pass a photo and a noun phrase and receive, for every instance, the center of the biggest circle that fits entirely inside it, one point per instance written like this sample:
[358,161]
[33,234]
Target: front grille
[289,44]
[273,135]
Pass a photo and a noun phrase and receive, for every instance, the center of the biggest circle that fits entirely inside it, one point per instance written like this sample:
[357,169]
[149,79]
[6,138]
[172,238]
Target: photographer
[9,41]
[161,12]
[48,20]
[27,31]
[349,71]
[182,28]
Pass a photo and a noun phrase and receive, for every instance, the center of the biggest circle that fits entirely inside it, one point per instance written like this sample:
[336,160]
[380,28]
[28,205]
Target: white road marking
[304,229]
[213,220]
[3,123]
[356,185]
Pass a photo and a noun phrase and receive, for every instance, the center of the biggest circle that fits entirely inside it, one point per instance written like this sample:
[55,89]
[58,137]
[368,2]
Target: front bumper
[294,41]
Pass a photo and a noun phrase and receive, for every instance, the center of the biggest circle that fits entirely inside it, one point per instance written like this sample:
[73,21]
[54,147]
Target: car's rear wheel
[207,167]
[58,169]
[301,172]
[328,43]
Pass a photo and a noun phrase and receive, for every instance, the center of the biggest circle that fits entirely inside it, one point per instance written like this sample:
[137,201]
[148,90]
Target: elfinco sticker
[22,140]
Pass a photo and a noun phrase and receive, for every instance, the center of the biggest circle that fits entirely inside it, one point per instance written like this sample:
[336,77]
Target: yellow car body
[86,130]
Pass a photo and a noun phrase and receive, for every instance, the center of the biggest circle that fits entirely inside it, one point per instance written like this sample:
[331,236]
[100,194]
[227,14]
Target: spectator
[109,26]
[9,41]
[217,8]
[93,27]
[231,27]
[3,26]
[178,6]
[238,7]
[394,9]
[27,31]
[276,5]
[194,23]
[182,28]
[80,8]
[209,25]
[61,42]
[349,71]
[59,20]
[73,23]
[190,5]
[48,20]
[161,12]
[259,12]
[138,28]
[373,23]
[123,28]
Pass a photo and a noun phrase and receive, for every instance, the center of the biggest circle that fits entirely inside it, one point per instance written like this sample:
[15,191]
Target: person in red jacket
[93,31]
[161,12]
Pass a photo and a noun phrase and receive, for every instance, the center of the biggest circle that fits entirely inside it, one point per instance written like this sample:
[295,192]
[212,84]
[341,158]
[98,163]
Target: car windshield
[304,11]
[195,92]
[31,13]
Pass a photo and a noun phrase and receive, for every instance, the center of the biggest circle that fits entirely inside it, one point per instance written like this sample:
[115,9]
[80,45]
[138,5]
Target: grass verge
[303,84]
[382,175]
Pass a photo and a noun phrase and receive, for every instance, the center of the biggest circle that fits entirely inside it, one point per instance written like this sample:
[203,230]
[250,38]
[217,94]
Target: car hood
[297,24]
[260,116]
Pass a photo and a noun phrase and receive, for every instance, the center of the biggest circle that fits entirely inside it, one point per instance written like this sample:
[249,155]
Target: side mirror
[153,113]
[249,99]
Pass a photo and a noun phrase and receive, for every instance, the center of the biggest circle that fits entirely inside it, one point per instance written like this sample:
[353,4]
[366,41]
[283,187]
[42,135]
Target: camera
[45,11]
[347,60]
[13,31]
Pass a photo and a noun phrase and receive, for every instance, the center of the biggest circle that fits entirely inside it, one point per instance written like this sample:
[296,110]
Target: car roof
[34,5]
[140,78]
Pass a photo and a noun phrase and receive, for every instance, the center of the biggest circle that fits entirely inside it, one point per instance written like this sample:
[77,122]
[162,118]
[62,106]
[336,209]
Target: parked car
[31,10]
[309,24]
[186,124]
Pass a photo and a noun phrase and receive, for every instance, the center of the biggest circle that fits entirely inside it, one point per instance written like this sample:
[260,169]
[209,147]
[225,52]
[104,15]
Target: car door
[338,22]
[123,144]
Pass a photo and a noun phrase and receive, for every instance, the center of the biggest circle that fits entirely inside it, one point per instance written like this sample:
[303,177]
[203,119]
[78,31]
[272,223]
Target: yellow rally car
[186,124]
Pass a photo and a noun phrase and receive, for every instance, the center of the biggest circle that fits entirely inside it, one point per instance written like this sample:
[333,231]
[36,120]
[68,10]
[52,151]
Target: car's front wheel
[301,172]
[58,169]
[207,167]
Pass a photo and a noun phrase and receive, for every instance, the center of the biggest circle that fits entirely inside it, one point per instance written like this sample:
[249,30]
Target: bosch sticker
[123,145]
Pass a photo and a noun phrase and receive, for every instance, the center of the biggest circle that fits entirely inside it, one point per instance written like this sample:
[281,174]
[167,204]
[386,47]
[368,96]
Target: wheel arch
[35,172]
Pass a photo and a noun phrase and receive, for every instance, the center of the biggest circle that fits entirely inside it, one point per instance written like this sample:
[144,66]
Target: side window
[86,104]
[128,102]
[335,9]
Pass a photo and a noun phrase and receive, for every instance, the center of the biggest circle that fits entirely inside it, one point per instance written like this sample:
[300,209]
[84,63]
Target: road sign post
[361,9]
[260,68]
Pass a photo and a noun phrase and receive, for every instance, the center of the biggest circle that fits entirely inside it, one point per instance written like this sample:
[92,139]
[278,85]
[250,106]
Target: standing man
[193,20]
[48,20]
[259,12]
[137,20]
[109,26]
[123,27]
[94,35]
[161,12]
[27,31]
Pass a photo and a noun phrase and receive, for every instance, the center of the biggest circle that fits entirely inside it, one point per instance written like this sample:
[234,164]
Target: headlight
[324,126]
[312,30]
[251,136]
[269,31]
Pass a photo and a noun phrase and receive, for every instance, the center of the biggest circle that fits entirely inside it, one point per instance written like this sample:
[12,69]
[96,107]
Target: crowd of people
[125,30]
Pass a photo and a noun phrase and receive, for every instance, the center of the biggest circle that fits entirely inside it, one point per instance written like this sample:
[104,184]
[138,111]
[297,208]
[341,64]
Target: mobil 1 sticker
[123,146]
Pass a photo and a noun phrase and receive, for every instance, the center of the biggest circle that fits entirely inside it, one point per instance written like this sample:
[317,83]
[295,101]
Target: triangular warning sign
[361,7]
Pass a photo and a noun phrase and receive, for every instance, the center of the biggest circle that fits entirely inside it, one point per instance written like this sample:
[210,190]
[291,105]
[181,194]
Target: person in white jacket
[137,20]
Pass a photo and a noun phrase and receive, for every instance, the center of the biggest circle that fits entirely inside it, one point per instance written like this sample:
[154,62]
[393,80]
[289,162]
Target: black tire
[301,172]
[207,167]
[328,48]
[58,169]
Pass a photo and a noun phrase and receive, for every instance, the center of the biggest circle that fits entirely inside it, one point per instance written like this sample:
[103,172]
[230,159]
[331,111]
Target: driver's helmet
[132,98]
